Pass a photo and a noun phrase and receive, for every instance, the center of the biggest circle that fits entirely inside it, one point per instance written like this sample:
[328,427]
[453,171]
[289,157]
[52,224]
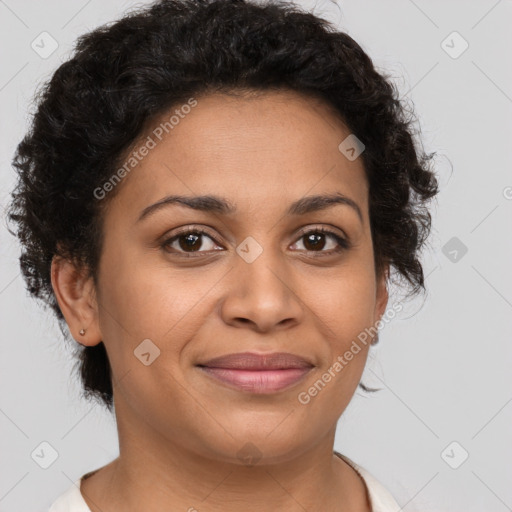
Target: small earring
[82,332]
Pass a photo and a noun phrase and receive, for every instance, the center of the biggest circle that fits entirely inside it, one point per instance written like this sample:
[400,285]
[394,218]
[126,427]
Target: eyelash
[343,243]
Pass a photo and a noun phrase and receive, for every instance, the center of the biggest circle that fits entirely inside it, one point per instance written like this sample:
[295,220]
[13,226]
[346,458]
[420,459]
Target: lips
[257,373]
[253,361]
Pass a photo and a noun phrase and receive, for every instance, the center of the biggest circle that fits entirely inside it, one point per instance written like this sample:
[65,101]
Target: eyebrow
[216,204]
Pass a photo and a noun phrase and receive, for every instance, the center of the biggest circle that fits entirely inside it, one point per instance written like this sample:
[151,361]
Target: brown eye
[314,241]
[190,241]
[319,239]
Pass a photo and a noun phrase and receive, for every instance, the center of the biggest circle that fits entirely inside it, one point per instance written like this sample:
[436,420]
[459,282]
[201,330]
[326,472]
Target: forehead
[271,148]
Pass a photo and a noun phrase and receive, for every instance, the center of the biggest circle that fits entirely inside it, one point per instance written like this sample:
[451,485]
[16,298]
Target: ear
[76,296]
[382,295]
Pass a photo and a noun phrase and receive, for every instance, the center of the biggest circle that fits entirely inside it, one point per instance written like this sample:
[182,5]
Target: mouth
[257,373]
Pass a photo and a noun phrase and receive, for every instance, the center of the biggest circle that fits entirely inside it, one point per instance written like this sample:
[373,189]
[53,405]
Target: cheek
[140,305]
[344,303]
[343,311]
[141,302]
[148,301]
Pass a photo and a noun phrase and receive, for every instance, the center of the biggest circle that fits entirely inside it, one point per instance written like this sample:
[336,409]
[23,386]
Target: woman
[212,200]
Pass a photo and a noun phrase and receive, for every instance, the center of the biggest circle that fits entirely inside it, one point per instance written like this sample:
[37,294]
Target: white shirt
[380,498]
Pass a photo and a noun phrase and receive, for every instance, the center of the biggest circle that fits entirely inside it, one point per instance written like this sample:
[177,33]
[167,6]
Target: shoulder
[381,499]
[70,501]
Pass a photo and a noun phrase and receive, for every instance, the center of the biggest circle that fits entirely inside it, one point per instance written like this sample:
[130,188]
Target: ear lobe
[75,295]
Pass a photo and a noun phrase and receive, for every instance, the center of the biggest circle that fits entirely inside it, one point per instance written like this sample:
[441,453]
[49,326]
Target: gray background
[443,364]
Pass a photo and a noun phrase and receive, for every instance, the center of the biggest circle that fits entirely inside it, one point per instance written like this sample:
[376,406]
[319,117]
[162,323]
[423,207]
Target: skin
[179,430]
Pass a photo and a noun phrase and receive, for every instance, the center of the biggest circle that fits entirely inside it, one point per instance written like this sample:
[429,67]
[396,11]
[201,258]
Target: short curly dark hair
[123,75]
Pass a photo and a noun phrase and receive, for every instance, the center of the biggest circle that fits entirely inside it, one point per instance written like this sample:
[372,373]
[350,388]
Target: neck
[154,472]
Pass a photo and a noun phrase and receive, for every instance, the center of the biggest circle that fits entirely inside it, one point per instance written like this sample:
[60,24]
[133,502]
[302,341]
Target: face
[268,271]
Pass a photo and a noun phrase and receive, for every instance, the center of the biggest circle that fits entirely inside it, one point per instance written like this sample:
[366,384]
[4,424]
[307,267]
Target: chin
[253,444]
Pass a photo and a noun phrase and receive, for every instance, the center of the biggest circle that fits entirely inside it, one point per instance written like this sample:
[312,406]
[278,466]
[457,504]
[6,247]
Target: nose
[262,295]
